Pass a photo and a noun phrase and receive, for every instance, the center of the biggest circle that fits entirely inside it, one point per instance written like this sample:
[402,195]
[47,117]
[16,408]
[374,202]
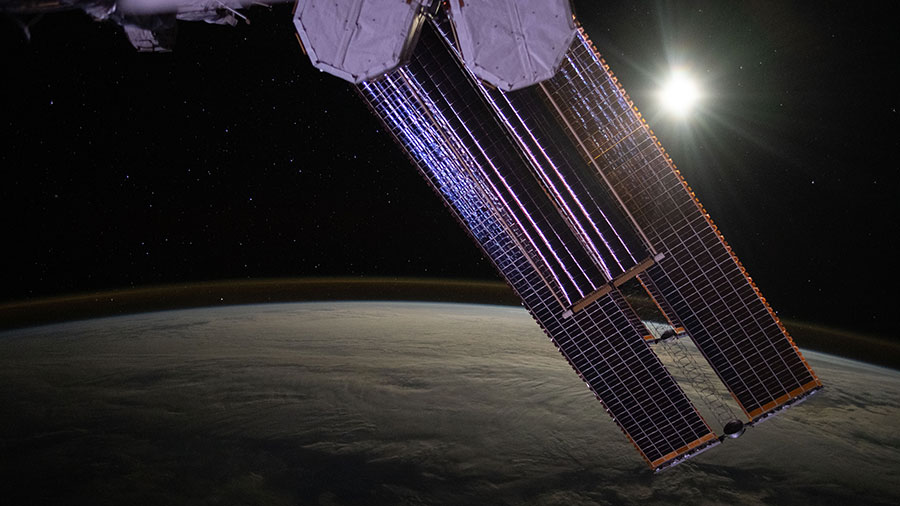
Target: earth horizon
[879,350]
[386,402]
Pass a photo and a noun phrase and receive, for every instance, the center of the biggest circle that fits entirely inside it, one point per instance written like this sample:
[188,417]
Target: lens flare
[679,95]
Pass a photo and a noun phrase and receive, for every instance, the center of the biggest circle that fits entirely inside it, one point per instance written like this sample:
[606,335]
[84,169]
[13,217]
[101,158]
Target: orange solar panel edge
[688,448]
[785,399]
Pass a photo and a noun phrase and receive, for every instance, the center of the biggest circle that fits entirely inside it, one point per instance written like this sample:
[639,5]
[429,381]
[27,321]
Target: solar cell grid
[442,133]
[593,206]
[574,267]
[700,282]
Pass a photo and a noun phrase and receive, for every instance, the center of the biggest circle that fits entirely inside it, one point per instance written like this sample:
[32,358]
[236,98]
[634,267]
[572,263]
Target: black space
[234,158]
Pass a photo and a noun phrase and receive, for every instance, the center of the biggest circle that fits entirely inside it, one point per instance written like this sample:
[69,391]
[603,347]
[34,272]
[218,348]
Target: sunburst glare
[679,95]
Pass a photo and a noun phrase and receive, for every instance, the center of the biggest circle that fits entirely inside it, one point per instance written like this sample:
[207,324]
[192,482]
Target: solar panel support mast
[512,117]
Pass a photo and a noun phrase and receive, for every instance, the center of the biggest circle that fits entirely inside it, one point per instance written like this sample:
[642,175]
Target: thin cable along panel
[515,207]
[698,282]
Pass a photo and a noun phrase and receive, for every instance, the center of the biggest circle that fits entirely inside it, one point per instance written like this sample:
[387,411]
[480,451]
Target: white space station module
[511,115]
[510,44]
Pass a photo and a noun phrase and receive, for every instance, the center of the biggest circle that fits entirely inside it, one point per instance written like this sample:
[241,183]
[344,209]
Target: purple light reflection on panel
[588,243]
[510,191]
[578,201]
[446,177]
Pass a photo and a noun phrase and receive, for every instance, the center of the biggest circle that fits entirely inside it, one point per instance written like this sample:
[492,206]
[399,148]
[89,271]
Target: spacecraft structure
[517,123]
[511,115]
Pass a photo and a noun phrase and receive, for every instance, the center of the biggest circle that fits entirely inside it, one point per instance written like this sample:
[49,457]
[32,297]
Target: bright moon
[679,94]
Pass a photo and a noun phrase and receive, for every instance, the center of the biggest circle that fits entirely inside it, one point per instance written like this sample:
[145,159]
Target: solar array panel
[698,282]
[567,191]
[586,203]
[505,171]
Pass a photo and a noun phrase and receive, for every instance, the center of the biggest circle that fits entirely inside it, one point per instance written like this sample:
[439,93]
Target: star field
[233,158]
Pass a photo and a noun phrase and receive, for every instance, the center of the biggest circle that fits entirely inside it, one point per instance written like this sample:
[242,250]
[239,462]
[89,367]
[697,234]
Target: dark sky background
[234,158]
